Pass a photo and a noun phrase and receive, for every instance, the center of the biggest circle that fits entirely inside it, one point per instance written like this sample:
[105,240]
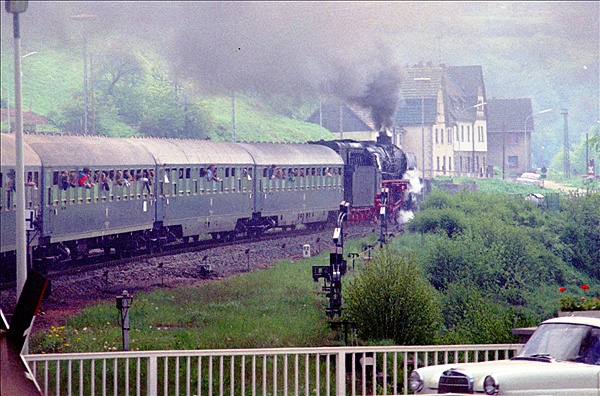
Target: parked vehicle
[530,178]
[562,357]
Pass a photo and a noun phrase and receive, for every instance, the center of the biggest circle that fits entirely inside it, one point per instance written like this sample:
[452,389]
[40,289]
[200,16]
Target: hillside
[53,88]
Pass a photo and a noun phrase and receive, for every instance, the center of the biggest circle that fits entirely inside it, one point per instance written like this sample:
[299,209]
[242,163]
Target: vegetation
[389,299]
[487,262]
[267,308]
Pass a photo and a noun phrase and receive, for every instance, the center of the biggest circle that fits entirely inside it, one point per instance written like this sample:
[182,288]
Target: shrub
[471,318]
[390,299]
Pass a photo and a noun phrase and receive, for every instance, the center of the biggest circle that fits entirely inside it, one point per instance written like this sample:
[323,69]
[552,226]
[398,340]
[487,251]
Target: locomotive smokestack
[385,136]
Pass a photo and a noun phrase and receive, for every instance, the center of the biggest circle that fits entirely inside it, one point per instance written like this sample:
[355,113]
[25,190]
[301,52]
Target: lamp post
[528,163]
[473,136]
[424,79]
[84,17]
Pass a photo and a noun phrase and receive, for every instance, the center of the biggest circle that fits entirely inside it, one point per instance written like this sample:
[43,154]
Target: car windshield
[576,343]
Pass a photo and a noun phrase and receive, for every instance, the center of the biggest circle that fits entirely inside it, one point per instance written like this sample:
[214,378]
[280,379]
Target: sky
[340,49]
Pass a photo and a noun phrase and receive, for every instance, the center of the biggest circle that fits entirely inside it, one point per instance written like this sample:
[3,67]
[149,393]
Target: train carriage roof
[8,152]
[189,151]
[290,154]
[93,151]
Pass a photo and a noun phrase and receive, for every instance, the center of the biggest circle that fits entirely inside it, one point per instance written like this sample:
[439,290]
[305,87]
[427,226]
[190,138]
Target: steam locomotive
[126,194]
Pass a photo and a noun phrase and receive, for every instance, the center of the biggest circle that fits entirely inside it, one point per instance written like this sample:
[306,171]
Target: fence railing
[282,371]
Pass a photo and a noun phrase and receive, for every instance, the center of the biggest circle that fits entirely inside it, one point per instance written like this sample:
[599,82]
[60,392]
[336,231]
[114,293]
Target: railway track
[178,264]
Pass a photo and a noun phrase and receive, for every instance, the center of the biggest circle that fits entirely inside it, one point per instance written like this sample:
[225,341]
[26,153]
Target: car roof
[194,151]
[86,150]
[9,155]
[291,154]
[583,320]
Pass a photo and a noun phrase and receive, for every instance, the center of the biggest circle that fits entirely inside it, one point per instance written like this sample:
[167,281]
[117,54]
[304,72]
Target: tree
[389,299]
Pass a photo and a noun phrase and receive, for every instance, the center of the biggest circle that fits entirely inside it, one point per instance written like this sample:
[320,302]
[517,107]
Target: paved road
[552,185]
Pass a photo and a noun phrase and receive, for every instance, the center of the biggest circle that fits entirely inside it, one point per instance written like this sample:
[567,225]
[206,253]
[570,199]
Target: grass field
[278,307]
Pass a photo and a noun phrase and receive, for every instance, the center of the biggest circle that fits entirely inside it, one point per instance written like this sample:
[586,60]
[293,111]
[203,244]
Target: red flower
[582,298]
[585,287]
[562,289]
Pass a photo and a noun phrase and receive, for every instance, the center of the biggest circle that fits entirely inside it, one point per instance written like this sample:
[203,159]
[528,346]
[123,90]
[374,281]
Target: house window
[513,161]
[436,135]
[449,163]
[468,133]
[449,135]
[462,133]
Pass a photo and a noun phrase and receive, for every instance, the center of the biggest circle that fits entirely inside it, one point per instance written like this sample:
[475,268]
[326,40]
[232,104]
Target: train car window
[55,178]
[188,172]
[195,187]
[226,172]
[265,172]
[181,173]
[233,172]
[0,179]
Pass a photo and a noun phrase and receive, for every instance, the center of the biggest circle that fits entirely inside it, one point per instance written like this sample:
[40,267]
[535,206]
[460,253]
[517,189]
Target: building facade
[445,120]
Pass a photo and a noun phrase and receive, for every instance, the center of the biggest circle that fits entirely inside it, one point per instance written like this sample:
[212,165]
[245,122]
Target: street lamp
[424,79]
[528,164]
[473,136]
[84,17]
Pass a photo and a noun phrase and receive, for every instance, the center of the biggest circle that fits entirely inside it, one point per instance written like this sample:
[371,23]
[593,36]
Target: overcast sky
[326,47]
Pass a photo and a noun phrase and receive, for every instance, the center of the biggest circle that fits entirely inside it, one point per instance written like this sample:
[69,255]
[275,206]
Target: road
[552,185]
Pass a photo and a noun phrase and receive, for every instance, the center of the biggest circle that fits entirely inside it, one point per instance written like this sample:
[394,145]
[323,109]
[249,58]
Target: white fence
[289,371]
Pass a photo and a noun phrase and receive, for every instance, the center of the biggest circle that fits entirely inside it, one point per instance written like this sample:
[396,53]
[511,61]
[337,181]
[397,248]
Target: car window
[570,342]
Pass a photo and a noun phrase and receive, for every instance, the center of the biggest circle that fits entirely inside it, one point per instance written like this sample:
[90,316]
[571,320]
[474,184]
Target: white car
[530,178]
[562,357]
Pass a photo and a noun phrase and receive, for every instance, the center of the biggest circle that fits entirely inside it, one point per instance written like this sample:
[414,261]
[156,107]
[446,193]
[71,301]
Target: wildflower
[585,287]
[562,289]
[67,345]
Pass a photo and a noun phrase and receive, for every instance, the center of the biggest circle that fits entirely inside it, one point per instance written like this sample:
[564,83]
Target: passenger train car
[93,192]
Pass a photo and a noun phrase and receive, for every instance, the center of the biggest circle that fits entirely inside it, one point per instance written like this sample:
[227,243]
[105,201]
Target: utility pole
[17,7]
[84,17]
[567,162]
[233,116]
[503,148]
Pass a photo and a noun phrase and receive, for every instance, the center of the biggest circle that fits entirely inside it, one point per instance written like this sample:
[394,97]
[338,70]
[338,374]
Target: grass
[256,123]
[278,307]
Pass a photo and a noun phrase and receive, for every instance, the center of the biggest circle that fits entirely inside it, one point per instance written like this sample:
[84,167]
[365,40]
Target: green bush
[390,299]
[471,318]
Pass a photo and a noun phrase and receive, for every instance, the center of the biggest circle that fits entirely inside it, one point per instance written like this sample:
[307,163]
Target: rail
[281,371]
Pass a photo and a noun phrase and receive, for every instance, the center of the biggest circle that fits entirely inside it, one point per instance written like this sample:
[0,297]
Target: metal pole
[567,162]
[233,116]
[7,103]
[20,169]
[423,144]
[587,154]
[85,87]
[320,120]
[341,122]
[503,148]
[93,126]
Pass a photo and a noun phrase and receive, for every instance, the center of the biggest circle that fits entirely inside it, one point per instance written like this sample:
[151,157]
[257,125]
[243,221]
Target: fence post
[152,376]
[340,374]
